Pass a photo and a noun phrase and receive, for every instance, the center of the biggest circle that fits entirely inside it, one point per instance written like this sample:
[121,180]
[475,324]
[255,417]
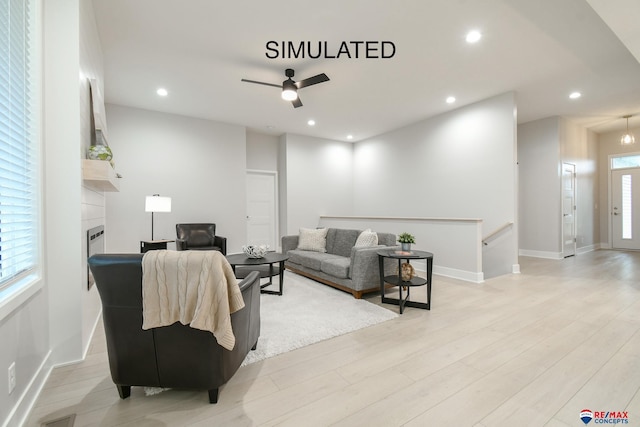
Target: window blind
[18,148]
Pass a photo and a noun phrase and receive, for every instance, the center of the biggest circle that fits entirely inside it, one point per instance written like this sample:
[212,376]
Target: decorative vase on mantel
[99,152]
[100,149]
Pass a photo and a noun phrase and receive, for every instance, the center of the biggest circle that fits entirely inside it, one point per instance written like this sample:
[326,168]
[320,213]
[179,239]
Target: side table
[153,245]
[396,280]
[243,265]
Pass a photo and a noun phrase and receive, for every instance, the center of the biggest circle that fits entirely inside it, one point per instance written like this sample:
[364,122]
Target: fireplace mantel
[99,175]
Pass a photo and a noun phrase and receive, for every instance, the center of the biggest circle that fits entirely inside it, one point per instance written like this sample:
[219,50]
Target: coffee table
[243,265]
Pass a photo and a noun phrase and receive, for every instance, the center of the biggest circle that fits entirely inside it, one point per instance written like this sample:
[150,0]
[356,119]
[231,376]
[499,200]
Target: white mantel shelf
[99,175]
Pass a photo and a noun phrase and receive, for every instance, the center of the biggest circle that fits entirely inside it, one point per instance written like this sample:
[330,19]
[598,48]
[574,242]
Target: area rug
[309,312]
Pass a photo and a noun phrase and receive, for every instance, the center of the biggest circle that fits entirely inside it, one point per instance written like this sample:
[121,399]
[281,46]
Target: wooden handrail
[496,231]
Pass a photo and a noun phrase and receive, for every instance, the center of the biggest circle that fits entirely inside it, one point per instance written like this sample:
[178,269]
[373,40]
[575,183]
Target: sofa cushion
[313,239]
[340,241]
[309,259]
[367,238]
[337,267]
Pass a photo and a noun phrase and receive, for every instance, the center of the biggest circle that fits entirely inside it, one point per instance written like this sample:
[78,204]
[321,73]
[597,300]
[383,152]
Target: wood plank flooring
[532,349]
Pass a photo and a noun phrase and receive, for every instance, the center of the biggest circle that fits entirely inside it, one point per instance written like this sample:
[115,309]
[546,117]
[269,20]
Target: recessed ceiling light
[162,92]
[575,95]
[311,122]
[349,136]
[473,36]
[451,99]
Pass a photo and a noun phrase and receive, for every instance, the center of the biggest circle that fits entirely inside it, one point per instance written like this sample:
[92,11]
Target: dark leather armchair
[175,356]
[201,237]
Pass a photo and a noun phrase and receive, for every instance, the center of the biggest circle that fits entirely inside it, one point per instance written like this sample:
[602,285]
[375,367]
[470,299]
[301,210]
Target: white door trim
[574,211]
[276,201]
[610,195]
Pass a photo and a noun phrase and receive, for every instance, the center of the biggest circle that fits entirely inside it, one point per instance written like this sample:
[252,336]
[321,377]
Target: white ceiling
[543,50]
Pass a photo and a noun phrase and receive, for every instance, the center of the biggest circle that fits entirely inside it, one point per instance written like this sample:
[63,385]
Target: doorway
[625,208]
[568,210]
[262,208]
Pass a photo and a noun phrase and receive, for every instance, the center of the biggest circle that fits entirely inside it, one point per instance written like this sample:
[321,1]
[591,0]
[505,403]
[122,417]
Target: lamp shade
[157,203]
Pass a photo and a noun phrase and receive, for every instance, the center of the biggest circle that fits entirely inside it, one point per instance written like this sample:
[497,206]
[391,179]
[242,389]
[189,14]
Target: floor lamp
[156,203]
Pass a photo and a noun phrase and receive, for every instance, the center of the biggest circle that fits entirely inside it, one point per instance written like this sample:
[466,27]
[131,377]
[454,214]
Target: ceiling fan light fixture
[289,90]
[627,137]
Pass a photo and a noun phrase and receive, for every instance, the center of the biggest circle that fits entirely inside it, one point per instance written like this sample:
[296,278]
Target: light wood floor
[529,349]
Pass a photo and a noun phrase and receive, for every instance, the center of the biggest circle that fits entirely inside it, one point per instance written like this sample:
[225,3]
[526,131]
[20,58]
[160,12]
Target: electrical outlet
[12,377]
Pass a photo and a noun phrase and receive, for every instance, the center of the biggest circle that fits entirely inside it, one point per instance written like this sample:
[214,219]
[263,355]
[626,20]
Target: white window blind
[18,145]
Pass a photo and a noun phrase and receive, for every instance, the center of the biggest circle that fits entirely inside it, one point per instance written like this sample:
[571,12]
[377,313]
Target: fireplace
[95,245]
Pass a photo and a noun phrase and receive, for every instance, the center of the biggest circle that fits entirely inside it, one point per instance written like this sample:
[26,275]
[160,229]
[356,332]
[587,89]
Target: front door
[625,208]
[568,209]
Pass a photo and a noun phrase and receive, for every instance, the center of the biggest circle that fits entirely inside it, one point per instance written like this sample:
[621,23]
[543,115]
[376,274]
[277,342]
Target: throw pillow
[313,239]
[367,238]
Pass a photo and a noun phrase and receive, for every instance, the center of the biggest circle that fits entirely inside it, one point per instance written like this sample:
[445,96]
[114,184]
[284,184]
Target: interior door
[625,208]
[568,210]
[262,209]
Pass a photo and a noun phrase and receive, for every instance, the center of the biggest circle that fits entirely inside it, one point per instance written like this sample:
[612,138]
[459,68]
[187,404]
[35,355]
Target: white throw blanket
[197,288]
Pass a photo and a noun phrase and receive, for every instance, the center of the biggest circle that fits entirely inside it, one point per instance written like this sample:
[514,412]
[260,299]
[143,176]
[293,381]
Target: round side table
[396,279]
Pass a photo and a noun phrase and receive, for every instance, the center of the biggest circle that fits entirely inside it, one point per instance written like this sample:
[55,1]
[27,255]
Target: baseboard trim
[558,255]
[590,248]
[18,416]
[540,254]
[454,273]
[93,332]
[23,408]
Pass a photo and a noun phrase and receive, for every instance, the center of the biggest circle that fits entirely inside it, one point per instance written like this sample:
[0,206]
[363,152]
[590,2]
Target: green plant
[406,238]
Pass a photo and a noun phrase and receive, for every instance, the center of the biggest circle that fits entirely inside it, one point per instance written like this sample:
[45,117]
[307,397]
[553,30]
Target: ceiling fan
[290,88]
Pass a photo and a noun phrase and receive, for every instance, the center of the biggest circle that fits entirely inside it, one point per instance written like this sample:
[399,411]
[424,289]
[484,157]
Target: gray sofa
[343,266]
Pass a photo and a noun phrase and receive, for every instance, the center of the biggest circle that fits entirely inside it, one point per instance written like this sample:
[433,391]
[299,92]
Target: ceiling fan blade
[296,102]
[261,83]
[312,80]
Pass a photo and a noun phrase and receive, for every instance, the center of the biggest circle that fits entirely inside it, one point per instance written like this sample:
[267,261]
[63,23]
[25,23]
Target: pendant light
[627,138]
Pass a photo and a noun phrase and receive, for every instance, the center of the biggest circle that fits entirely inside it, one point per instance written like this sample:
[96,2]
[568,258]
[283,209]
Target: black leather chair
[175,356]
[201,236]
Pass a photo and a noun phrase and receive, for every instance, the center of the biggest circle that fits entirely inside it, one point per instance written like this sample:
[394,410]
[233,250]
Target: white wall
[63,226]
[319,180]
[200,164]
[579,146]
[262,151]
[93,202]
[282,186]
[608,144]
[539,175]
[457,165]
[543,145]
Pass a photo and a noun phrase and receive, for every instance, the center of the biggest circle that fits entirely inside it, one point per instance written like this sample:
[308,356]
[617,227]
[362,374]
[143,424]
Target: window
[18,143]
[627,214]
[625,162]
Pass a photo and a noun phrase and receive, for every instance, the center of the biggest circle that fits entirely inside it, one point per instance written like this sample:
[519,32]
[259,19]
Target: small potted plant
[406,240]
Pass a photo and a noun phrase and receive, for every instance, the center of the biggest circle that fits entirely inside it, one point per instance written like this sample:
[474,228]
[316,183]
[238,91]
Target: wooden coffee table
[243,265]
